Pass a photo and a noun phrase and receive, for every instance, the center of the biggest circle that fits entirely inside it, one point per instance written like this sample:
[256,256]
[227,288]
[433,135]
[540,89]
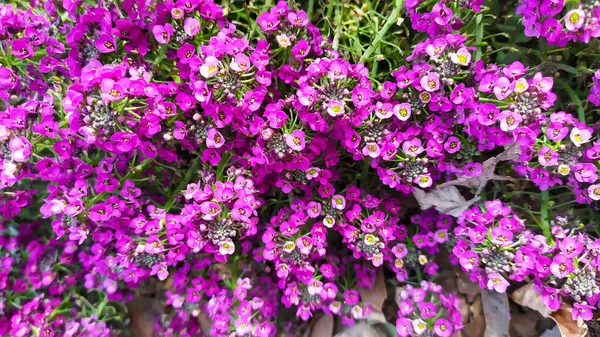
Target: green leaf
[568,69]
[389,329]
[521,38]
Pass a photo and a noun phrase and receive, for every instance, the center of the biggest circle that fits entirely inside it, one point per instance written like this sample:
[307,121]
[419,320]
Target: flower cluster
[427,311]
[242,170]
[559,21]
[494,247]
[439,16]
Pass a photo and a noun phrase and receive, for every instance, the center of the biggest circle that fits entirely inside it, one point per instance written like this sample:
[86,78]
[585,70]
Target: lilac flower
[296,140]
[561,266]
[20,149]
[163,34]
[210,67]
[574,19]
[583,310]
[497,282]
[191,26]
[594,191]
[461,57]
[431,82]
[442,327]
[402,111]
[106,44]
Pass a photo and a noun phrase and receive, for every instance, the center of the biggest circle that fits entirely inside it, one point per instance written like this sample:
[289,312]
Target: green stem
[184,182]
[338,27]
[388,24]
[478,36]
[545,215]
[309,9]
[573,96]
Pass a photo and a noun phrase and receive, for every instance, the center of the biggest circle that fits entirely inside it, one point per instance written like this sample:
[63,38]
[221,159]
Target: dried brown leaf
[360,329]
[474,329]
[569,327]
[205,323]
[322,327]
[527,297]
[446,200]
[141,314]
[488,168]
[466,286]
[476,308]
[496,311]
[377,294]
[464,310]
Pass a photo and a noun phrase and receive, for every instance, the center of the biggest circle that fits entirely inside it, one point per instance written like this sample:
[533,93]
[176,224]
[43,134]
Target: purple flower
[594,192]
[106,43]
[20,149]
[412,147]
[561,266]
[337,70]
[509,120]
[214,139]
[191,26]
[442,327]
[431,82]
[296,140]
[163,34]
[503,87]
[497,282]
[472,169]
[583,310]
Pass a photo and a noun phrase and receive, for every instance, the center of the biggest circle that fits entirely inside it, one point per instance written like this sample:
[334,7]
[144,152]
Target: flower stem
[545,215]
[478,36]
[388,24]
[573,96]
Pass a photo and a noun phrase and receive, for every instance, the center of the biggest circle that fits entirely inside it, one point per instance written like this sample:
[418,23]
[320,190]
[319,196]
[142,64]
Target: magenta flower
[337,70]
[20,149]
[497,282]
[561,266]
[413,147]
[469,260]
[163,34]
[214,139]
[509,120]
[442,327]
[371,149]
[501,237]
[191,26]
[106,43]
[226,247]
[547,157]
[431,82]
[583,310]
[594,192]
[296,140]
[503,87]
